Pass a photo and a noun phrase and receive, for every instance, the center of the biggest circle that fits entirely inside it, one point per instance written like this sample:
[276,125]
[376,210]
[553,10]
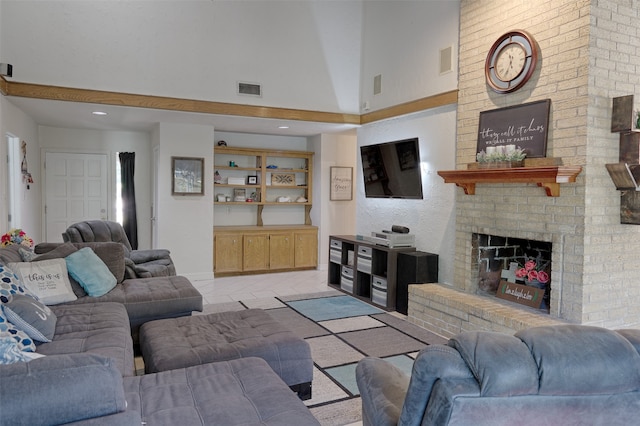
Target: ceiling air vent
[249,89]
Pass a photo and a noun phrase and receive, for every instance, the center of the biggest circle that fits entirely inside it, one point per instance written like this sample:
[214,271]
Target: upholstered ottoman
[169,344]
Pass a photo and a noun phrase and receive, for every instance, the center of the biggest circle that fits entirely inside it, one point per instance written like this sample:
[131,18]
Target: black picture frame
[252,180]
[187,176]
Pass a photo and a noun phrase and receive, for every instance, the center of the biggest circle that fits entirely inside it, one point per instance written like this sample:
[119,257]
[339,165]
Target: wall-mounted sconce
[6,70]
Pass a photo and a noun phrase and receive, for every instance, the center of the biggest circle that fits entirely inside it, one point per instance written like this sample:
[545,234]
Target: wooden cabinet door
[227,253]
[306,249]
[281,251]
[256,252]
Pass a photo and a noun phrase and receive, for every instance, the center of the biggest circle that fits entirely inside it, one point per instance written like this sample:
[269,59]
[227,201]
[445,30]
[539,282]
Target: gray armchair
[138,263]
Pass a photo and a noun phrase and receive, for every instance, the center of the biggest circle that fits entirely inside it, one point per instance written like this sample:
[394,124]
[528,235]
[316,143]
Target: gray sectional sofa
[87,373]
[145,299]
[552,375]
[87,378]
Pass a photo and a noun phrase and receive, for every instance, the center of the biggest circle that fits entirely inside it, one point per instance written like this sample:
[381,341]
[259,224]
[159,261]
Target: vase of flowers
[16,236]
[534,273]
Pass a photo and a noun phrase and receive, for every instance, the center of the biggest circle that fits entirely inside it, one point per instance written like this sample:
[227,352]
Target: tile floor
[248,287]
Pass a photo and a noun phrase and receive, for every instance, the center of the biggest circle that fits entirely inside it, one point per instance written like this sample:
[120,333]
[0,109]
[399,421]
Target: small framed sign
[522,294]
[252,180]
[341,184]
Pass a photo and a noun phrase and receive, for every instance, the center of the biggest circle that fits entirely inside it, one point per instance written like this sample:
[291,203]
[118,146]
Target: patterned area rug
[341,330]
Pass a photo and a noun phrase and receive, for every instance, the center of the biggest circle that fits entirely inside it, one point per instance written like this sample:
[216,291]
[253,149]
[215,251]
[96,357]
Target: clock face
[511,61]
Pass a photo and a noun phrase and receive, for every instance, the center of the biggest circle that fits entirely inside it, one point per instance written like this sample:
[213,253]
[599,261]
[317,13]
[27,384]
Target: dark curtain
[129,218]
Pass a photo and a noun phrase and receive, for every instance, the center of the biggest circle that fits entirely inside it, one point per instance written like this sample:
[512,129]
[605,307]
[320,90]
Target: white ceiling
[78,115]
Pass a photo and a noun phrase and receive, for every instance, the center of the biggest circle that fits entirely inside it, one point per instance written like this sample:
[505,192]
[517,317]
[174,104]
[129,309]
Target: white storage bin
[346,279]
[335,256]
[364,259]
[364,265]
[379,283]
[346,285]
[347,272]
[379,290]
[379,297]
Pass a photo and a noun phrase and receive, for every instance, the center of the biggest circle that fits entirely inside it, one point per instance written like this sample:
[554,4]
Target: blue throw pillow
[90,272]
[10,285]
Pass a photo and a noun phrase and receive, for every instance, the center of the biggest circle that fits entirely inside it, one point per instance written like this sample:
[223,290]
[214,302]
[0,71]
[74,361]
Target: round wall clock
[511,61]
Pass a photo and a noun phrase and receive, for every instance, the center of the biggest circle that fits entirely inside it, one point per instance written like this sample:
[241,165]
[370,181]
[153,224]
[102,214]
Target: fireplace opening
[512,259]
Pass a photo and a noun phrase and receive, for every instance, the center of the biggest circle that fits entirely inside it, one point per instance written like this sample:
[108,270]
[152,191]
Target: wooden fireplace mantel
[547,177]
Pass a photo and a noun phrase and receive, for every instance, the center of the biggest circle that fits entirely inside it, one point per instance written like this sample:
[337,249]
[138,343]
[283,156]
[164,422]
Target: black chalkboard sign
[524,126]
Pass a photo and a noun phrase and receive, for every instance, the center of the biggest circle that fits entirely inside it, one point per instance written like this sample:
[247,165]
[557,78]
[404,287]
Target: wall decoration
[622,114]
[187,176]
[341,184]
[524,126]
[26,176]
[283,179]
[511,61]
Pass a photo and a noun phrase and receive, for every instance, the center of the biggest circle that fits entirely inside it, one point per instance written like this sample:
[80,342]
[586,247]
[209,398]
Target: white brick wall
[590,53]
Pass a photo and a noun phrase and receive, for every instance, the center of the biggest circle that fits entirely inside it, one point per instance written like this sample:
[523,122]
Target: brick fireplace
[595,271]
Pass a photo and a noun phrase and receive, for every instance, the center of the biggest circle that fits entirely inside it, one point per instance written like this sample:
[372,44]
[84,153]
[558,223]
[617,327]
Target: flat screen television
[392,169]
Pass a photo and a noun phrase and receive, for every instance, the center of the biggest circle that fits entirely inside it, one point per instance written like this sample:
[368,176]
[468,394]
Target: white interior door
[76,190]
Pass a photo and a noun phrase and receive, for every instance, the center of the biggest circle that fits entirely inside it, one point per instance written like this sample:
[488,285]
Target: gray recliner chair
[548,375]
[138,263]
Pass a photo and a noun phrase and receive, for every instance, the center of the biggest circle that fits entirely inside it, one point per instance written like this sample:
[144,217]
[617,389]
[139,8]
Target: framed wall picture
[341,183]
[187,176]
[252,180]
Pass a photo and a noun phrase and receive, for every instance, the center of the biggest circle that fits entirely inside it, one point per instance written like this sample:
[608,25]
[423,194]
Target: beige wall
[588,56]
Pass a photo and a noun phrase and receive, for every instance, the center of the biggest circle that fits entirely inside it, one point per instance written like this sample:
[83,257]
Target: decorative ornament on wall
[511,61]
[26,176]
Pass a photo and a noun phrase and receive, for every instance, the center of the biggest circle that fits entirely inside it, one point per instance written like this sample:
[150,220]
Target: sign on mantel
[525,126]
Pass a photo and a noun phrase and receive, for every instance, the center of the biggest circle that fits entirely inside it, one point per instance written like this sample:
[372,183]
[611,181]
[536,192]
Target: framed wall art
[341,183]
[187,176]
[524,126]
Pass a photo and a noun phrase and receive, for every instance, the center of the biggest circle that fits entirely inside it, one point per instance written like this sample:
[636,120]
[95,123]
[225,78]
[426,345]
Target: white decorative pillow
[47,279]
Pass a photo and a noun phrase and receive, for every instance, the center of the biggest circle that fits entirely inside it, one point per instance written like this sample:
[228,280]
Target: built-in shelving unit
[548,177]
[263,165]
[262,178]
